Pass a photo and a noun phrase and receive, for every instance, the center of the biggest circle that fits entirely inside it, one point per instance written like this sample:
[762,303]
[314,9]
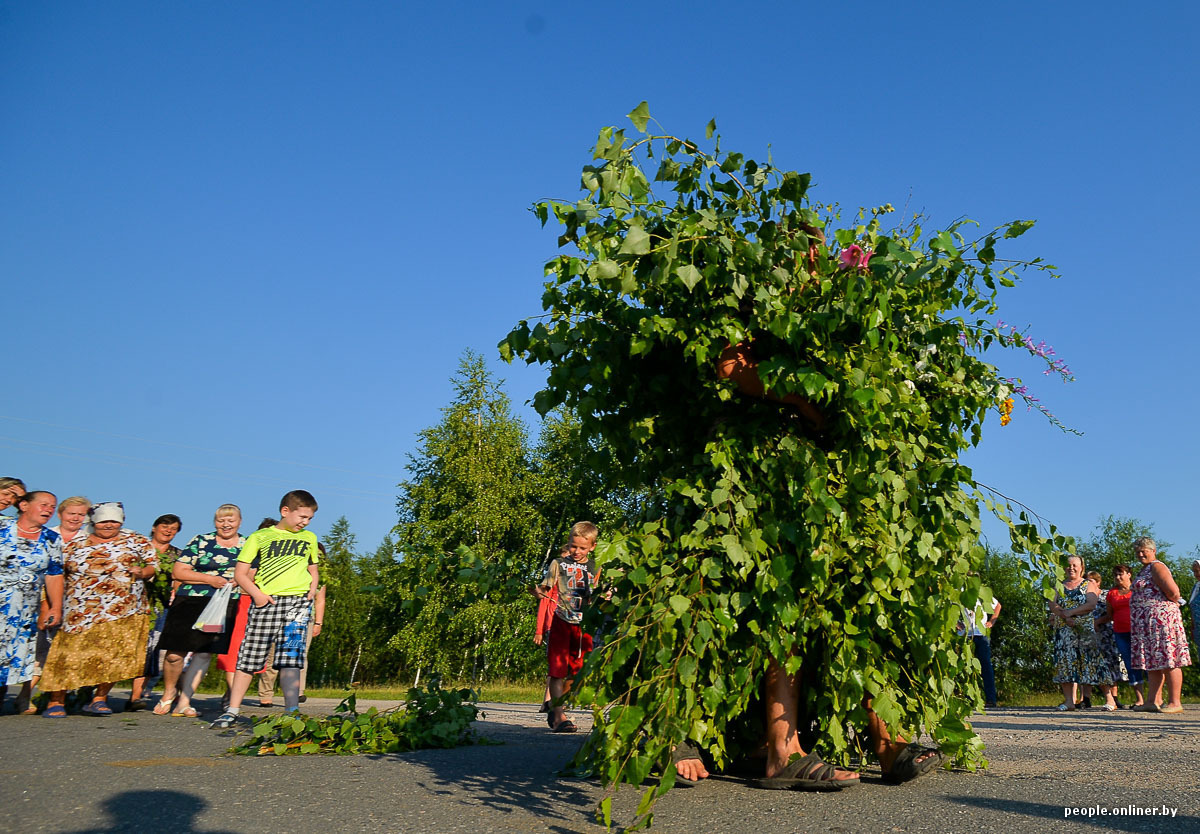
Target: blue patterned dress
[1077,656]
[24,565]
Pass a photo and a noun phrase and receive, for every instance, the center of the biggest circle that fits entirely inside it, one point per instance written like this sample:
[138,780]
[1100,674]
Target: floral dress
[1157,638]
[1077,656]
[204,555]
[24,565]
[1107,640]
[105,613]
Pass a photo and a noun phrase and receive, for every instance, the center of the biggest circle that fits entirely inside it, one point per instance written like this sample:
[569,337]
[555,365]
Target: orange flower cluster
[1006,408]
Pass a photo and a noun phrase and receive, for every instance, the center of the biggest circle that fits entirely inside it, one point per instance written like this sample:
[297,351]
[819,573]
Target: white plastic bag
[212,618]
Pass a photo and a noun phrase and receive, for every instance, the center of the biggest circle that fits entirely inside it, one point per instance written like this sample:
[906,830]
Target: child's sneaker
[226,721]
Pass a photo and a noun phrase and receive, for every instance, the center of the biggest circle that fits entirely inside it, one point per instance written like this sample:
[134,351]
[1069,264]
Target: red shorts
[566,648]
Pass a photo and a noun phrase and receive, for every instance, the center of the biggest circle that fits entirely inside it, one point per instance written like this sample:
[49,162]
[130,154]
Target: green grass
[504,691]
[513,692]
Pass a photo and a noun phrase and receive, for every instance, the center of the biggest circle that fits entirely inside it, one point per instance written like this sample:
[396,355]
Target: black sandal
[906,767]
[807,773]
[564,726]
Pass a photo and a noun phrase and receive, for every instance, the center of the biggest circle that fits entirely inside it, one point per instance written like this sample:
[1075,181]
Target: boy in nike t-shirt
[281,593]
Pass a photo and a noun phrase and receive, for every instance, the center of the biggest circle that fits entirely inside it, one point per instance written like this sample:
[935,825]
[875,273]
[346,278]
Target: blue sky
[243,246]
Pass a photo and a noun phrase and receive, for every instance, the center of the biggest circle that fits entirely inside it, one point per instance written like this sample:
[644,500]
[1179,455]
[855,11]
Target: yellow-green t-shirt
[283,558]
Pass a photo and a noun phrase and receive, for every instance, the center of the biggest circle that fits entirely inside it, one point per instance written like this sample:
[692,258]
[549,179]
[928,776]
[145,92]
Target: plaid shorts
[285,624]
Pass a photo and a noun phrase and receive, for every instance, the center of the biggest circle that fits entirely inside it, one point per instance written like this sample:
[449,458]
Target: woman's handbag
[212,618]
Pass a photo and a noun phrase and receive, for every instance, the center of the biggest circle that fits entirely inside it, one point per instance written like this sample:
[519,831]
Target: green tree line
[482,506]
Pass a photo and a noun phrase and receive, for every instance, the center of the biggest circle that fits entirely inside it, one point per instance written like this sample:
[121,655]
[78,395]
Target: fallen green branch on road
[430,717]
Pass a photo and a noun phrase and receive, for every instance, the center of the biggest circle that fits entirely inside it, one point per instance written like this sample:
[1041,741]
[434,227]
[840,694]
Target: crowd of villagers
[87,603]
[1130,634]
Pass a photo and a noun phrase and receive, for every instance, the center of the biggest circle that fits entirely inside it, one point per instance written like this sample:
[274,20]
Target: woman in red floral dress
[1159,643]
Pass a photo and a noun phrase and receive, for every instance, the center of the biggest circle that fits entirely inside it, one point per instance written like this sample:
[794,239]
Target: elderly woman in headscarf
[1077,656]
[106,616]
[30,557]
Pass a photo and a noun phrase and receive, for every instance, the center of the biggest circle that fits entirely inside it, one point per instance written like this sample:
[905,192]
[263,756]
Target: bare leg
[559,687]
[1139,693]
[191,679]
[101,692]
[1174,682]
[172,667]
[782,694]
[138,685]
[1087,691]
[1068,692]
[886,748]
[241,682]
[1110,695]
[1154,687]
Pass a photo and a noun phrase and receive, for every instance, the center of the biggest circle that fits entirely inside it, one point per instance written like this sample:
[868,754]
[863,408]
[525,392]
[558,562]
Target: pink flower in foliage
[855,256]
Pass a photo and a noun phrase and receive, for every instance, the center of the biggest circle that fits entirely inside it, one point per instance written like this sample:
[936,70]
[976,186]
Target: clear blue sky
[243,245]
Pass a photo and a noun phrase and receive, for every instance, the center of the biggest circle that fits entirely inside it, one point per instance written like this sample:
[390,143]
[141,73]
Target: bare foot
[691,769]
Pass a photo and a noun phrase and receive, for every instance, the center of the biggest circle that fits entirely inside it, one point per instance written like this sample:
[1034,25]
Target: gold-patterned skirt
[105,653]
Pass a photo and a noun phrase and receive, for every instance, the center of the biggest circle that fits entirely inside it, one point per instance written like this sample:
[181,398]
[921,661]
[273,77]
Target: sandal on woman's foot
[905,767]
[186,712]
[565,726]
[97,708]
[1147,708]
[545,706]
[55,711]
[163,707]
[1170,710]
[806,773]
[1064,708]
[1108,707]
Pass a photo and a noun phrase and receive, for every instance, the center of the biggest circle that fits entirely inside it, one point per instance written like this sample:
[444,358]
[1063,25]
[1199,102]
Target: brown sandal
[806,773]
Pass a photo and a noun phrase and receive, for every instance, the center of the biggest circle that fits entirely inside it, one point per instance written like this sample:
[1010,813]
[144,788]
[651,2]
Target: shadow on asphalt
[152,811]
[1141,724]
[525,779]
[1037,810]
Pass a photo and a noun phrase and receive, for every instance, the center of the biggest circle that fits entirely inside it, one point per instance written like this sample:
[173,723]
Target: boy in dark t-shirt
[573,575]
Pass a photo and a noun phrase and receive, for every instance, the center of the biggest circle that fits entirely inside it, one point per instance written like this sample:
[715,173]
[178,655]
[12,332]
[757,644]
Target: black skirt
[179,637]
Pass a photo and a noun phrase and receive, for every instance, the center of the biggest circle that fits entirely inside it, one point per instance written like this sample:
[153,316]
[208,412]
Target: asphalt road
[140,772]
